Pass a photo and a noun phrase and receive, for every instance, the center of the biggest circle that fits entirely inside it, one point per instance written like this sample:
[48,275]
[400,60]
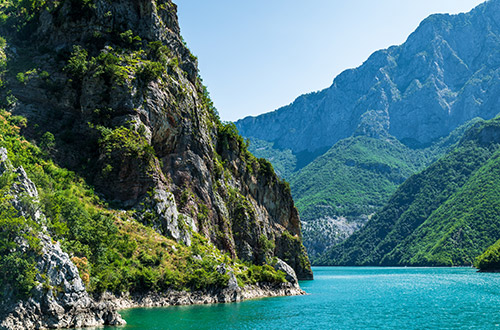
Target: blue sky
[256,56]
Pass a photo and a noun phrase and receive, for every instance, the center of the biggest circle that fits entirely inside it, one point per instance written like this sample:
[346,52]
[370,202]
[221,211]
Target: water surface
[350,298]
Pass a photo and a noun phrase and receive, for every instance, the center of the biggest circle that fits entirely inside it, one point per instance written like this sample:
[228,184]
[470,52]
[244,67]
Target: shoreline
[205,297]
[104,310]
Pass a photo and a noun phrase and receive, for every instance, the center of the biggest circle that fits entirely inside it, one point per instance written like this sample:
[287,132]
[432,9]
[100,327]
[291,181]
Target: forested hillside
[447,215]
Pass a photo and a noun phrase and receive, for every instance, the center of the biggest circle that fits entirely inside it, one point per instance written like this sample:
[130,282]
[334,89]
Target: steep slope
[110,91]
[284,161]
[353,177]
[338,192]
[445,74]
[445,215]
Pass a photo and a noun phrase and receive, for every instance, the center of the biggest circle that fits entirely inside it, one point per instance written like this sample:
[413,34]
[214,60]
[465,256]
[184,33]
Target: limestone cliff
[136,97]
[111,91]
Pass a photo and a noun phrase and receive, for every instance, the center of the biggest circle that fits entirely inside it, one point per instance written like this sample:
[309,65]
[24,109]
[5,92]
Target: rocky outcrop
[322,233]
[290,275]
[445,74]
[60,299]
[23,191]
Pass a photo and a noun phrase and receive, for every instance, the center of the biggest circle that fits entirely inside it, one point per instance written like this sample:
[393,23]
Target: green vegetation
[253,274]
[77,64]
[150,71]
[490,259]
[446,215]
[114,252]
[284,161]
[17,14]
[126,142]
[17,266]
[229,141]
[359,174]
[462,227]
[356,176]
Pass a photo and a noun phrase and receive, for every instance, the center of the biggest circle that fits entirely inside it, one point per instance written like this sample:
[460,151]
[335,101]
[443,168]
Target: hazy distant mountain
[445,74]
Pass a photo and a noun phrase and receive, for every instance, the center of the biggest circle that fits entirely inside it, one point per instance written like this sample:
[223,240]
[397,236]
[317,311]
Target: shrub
[129,39]
[150,71]
[77,63]
[21,78]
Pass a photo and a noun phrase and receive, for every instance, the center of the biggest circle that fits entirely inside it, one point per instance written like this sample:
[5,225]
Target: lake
[350,298]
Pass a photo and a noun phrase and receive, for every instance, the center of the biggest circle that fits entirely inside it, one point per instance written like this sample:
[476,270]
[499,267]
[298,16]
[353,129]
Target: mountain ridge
[377,86]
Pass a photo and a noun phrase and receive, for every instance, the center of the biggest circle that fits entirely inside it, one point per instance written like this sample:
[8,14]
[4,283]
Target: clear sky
[258,55]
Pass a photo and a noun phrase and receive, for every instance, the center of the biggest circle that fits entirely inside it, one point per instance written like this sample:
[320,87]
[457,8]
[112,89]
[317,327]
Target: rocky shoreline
[226,295]
[104,311]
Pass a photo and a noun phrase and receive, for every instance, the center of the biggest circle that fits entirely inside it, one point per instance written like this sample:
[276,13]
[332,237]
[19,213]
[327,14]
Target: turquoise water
[351,298]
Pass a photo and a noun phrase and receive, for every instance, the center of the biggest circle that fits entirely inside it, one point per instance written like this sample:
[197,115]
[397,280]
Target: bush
[129,39]
[17,267]
[150,71]
[77,64]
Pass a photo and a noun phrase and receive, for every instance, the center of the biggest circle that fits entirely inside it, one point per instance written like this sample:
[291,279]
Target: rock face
[60,299]
[227,295]
[151,138]
[445,74]
[22,187]
[321,233]
[290,273]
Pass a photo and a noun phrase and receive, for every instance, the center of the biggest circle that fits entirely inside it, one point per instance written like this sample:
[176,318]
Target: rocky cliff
[155,129]
[59,300]
[110,91]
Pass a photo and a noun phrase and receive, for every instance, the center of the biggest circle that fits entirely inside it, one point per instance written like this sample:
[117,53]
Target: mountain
[117,176]
[445,74]
[346,149]
[447,215]
[340,190]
